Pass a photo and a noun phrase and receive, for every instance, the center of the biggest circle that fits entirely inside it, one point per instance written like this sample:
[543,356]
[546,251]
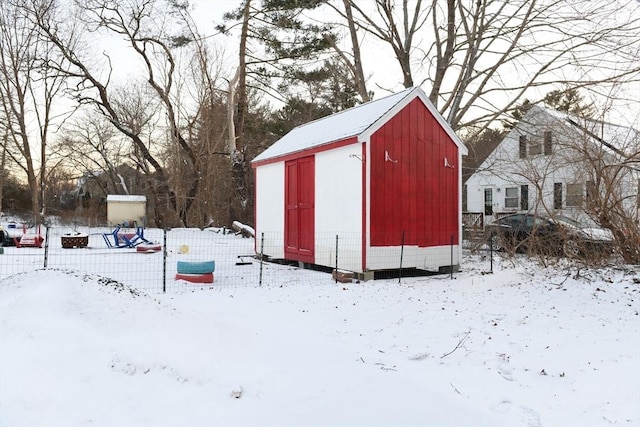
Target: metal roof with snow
[352,122]
[125,198]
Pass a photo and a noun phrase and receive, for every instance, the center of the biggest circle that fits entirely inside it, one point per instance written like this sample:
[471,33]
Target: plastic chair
[120,239]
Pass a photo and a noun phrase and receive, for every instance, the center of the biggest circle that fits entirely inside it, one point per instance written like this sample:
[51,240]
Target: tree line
[180,120]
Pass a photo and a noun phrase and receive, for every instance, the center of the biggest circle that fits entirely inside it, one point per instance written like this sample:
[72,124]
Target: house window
[488,201]
[557,195]
[592,194]
[524,197]
[511,197]
[523,146]
[548,144]
[574,195]
[535,148]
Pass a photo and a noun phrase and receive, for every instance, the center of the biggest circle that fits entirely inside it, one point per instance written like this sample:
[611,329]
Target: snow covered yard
[526,346]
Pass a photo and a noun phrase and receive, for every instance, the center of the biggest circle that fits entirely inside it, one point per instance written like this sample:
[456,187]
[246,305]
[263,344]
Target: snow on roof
[125,198]
[617,137]
[338,126]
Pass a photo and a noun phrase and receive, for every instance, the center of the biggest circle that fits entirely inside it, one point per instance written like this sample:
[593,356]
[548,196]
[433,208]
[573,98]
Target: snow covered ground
[526,345]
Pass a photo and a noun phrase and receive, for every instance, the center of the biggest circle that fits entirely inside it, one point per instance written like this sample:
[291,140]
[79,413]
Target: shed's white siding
[123,209]
[338,206]
[431,259]
[270,209]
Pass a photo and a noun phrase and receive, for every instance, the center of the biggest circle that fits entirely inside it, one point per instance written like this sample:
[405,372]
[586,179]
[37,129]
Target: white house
[552,163]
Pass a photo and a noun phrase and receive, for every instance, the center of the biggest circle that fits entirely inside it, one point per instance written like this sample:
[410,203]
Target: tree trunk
[242,79]
[239,196]
[357,57]
[444,58]
[3,169]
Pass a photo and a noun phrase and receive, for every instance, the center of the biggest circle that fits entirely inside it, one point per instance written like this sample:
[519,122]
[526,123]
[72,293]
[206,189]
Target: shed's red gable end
[414,181]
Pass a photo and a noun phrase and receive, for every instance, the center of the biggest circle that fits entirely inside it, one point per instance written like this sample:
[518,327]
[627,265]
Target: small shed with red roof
[378,185]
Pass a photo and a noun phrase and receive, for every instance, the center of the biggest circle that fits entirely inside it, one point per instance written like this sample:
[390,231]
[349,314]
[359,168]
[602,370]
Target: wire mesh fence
[157,260]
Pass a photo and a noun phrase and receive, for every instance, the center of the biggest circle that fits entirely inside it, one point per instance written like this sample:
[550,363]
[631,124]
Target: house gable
[538,165]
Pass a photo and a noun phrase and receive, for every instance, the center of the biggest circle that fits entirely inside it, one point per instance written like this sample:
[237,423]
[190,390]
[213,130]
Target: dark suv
[558,235]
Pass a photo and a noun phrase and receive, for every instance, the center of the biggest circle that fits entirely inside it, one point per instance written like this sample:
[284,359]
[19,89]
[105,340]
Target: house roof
[622,140]
[125,198]
[357,121]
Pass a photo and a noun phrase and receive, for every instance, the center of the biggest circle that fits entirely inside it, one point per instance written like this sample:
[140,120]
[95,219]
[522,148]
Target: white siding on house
[504,168]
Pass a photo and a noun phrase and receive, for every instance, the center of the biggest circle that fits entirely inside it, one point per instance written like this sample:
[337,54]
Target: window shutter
[524,197]
[548,143]
[523,146]
[557,195]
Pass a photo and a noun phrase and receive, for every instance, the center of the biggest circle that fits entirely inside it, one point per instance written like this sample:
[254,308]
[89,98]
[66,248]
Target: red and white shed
[384,177]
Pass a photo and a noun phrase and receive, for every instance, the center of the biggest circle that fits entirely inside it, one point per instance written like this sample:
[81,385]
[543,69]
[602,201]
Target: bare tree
[571,167]
[353,60]
[138,24]
[28,92]
[92,147]
[481,58]
[398,30]
[4,173]
[237,108]
[216,127]
[275,44]
[610,159]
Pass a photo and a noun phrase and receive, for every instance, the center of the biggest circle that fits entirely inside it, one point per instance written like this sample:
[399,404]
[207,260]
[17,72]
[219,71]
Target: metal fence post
[336,258]
[491,253]
[401,255]
[261,256]
[451,264]
[164,260]
[46,248]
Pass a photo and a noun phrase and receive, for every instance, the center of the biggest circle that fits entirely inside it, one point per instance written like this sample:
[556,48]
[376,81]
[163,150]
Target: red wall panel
[299,227]
[413,191]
